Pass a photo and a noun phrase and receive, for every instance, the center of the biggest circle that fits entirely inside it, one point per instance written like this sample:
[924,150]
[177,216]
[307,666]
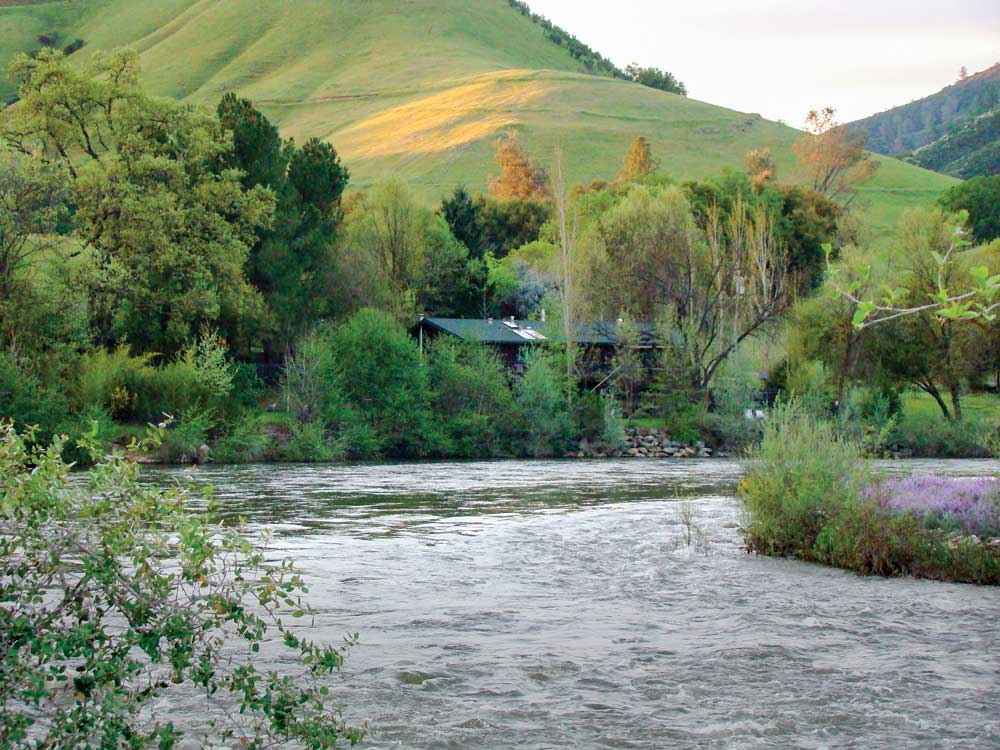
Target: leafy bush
[28,402]
[247,440]
[382,376]
[542,408]
[471,400]
[942,438]
[201,378]
[810,494]
[309,443]
[117,598]
[186,437]
[116,381]
[801,472]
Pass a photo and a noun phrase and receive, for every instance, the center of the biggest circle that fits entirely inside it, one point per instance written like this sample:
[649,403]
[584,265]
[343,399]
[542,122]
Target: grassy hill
[419,89]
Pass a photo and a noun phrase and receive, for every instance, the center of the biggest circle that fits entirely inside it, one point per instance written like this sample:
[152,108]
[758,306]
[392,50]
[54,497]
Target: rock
[204,454]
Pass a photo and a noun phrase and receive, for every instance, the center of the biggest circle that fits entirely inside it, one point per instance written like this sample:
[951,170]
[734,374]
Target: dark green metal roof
[520,332]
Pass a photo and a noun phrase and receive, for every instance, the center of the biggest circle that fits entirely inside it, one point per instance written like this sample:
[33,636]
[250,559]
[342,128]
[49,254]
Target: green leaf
[864,311]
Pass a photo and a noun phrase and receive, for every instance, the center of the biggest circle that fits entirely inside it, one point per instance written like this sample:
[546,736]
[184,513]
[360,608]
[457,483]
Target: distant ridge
[920,123]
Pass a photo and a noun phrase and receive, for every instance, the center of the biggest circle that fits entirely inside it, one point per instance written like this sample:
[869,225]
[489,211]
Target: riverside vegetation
[810,493]
[160,260]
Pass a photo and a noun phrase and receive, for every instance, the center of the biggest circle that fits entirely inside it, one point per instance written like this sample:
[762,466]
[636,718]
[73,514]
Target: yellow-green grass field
[420,89]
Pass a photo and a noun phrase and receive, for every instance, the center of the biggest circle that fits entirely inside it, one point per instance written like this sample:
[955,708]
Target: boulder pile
[648,443]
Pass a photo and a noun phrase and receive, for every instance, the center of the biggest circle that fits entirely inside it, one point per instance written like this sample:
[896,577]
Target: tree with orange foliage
[639,161]
[762,168]
[519,178]
[835,160]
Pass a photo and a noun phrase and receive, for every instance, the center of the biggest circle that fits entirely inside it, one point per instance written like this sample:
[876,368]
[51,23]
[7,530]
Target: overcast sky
[782,58]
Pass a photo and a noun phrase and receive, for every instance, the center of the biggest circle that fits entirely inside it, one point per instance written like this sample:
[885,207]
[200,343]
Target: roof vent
[489,321]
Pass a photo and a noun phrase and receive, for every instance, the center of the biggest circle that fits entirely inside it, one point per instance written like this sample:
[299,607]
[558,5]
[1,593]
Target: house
[511,337]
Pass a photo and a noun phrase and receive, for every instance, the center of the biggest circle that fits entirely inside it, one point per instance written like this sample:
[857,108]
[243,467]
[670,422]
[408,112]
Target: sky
[781,58]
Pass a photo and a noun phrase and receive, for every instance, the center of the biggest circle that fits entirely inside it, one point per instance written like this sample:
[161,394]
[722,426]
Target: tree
[980,197]
[116,597]
[291,262]
[720,285]
[464,218]
[835,160]
[510,224]
[33,206]
[542,408]
[639,161]
[386,233]
[762,168]
[519,178]
[169,232]
[384,377]
[656,79]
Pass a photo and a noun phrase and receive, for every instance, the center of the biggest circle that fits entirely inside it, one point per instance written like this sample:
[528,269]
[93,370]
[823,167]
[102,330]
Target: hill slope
[920,123]
[972,150]
[419,89]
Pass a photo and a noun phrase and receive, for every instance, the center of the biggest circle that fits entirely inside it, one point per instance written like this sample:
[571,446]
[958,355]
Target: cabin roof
[508,331]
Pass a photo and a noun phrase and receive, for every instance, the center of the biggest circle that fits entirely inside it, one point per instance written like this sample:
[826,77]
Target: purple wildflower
[970,505]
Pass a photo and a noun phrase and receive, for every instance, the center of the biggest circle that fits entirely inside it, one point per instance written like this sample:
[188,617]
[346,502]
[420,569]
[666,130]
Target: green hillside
[419,89]
[971,151]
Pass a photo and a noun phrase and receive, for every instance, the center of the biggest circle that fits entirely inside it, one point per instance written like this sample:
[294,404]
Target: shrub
[117,598]
[185,438]
[382,376]
[801,473]
[543,409]
[471,400]
[942,438]
[115,380]
[28,402]
[810,494]
[309,443]
[247,440]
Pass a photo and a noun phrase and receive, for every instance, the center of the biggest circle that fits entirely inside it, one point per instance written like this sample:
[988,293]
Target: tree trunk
[936,395]
[956,404]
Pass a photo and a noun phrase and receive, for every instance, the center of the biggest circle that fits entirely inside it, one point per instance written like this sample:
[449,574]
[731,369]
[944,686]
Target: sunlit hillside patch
[446,120]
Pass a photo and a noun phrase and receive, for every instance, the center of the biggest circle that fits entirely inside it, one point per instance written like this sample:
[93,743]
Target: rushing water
[570,605]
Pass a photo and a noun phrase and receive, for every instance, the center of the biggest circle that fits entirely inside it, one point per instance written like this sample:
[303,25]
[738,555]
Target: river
[609,604]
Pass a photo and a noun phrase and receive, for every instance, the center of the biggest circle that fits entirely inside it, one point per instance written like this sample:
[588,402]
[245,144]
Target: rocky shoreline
[648,443]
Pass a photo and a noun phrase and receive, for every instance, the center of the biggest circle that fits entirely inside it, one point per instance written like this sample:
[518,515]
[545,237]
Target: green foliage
[291,260]
[247,440]
[810,494]
[980,196]
[168,233]
[310,443]
[972,437]
[117,597]
[510,224]
[600,421]
[802,473]
[471,401]
[655,78]
[28,402]
[384,378]
[543,408]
